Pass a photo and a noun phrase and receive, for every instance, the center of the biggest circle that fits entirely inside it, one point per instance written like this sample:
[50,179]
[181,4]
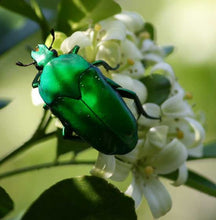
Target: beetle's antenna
[24,65]
[52,32]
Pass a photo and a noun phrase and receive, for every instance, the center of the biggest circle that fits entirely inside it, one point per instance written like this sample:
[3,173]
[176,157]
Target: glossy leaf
[74,15]
[75,145]
[86,197]
[6,203]
[158,88]
[4,103]
[197,181]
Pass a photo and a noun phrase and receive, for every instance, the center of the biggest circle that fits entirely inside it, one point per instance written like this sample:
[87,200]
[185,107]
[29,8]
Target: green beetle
[85,101]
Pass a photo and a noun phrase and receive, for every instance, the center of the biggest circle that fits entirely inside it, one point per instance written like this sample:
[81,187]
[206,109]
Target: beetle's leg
[132,95]
[67,133]
[113,84]
[75,49]
[36,80]
[105,65]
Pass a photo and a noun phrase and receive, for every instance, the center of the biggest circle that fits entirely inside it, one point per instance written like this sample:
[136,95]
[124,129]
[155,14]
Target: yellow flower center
[144,35]
[188,95]
[179,133]
[97,27]
[130,61]
[148,170]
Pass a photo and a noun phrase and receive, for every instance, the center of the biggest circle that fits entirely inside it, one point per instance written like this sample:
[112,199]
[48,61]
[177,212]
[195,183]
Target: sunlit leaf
[80,198]
[198,182]
[75,145]
[6,203]
[74,15]
[158,87]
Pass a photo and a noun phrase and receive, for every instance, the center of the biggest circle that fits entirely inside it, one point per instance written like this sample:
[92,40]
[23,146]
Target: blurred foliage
[97,203]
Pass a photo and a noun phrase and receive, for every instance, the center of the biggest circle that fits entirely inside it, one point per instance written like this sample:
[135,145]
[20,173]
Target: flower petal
[122,170]
[130,51]
[170,158]
[158,136]
[175,106]
[196,152]
[182,175]
[133,155]
[152,110]
[77,38]
[156,139]
[104,166]
[135,190]
[135,71]
[132,20]
[157,197]
[36,98]
[109,51]
[114,30]
[199,132]
[165,69]
[131,84]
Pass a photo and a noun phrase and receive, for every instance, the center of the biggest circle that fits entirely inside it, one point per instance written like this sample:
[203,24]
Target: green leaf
[82,198]
[64,145]
[209,151]
[4,102]
[148,27]
[197,181]
[158,87]
[167,50]
[74,15]
[6,203]
[23,8]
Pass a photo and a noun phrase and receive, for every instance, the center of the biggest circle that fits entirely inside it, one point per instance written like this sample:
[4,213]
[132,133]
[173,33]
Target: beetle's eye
[37,49]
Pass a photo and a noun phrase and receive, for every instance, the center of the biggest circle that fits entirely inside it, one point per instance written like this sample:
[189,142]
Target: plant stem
[44,166]
[26,146]
[38,136]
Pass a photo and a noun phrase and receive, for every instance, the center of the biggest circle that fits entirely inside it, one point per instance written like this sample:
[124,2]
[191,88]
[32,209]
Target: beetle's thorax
[42,55]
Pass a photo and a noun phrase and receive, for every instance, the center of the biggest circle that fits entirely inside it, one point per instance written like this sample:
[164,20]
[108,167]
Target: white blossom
[163,145]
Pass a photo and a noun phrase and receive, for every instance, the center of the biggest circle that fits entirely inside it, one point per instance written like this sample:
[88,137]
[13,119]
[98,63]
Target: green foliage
[4,103]
[75,15]
[209,151]
[32,12]
[158,87]
[6,203]
[150,29]
[82,198]
[167,50]
[197,181]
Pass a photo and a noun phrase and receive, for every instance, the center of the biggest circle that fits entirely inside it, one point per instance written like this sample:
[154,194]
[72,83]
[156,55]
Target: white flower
[163,145]
[150,158]
[36,98]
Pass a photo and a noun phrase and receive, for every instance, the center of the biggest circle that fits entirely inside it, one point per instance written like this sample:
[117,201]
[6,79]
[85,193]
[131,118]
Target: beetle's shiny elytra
[85,101]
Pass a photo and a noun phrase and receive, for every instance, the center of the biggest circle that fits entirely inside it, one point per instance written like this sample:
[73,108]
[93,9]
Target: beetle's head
[42,54]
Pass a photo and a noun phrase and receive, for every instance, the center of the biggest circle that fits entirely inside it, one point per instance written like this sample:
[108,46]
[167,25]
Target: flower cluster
[163,146]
